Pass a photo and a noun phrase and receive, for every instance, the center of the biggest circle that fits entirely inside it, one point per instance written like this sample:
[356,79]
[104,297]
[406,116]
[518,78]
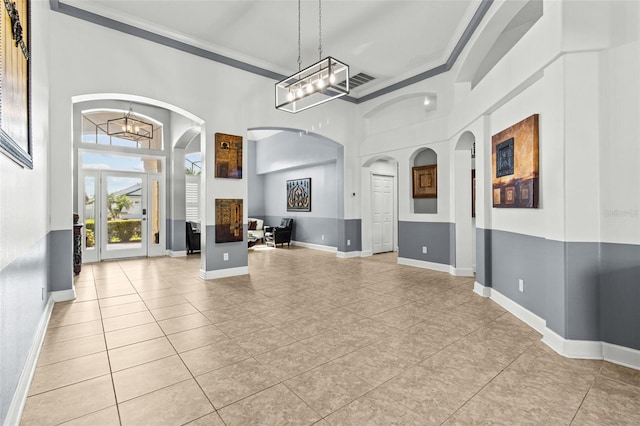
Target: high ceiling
[390,40]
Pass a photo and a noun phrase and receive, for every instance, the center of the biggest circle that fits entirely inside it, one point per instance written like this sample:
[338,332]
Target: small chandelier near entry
[323,81]
[130,127]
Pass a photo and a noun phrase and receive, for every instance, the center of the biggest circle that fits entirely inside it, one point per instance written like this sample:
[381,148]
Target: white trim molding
[463,272]
[320,247]
[581,349]
[14,414]
[64,295]
[348,254]
[366,253]
[178,253]
[224,273]
[425,265]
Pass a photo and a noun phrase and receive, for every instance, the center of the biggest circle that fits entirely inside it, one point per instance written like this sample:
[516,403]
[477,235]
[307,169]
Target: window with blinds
[192,191]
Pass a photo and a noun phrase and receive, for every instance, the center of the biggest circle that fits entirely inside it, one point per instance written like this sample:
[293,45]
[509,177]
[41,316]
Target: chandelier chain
[299,54]
[320,28]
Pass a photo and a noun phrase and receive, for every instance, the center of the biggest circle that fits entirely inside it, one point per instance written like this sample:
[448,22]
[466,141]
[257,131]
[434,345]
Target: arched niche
[425,157]
[463,197]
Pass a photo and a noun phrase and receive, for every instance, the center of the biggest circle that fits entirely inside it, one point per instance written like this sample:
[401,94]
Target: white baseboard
[14,414]
[425,265]
[224,273]
[64,295]
[481,290]
[366,253]
[463,272]
[320,247]
[348,254]
[582,349]
[179,253]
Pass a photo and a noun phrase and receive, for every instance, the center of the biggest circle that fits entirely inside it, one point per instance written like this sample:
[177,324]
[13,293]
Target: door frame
[394,244]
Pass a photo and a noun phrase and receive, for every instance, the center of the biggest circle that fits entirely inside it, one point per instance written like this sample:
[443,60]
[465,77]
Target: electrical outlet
[225,256]
[348,242]
[424,249]
[521,285]
[322,237]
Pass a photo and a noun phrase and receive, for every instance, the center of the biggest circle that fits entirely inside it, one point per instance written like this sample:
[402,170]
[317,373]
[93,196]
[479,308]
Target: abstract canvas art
[228,156]
[425,181]
[229,226]
[515,165]
[15,84]
[299,195]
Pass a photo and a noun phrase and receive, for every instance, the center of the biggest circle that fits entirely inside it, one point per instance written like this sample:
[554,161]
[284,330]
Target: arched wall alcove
[464,174]
[378,171]
[426,202]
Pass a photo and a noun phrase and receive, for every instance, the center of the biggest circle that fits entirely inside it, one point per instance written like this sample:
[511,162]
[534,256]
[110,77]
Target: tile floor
[306,338]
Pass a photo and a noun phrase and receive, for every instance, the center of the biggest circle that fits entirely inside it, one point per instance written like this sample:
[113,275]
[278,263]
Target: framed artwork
[299,195]
[425,181]
[229,226]
[514,165]
[15,82]
[228,156]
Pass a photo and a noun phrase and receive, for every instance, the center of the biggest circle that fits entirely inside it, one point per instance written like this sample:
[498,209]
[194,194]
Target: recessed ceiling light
[426,101]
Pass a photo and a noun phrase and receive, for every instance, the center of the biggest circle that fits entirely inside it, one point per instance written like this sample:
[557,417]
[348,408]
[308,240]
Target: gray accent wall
[21,307]
[349,230]
[310,229]
[60,272]
[438,237]
[583,290]
[176,235]
[238,252]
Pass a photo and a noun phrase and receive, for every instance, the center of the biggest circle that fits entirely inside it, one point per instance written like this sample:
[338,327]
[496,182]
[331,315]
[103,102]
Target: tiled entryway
[306,338]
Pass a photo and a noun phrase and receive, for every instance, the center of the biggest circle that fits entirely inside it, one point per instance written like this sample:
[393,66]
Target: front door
[123,220]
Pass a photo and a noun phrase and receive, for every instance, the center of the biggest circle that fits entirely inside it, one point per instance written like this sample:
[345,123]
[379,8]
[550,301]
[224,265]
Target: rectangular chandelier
[129,128]
[321,82]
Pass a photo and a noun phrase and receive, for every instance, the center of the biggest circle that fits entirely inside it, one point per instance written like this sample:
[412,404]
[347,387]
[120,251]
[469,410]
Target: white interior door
[123,222]
[382,199]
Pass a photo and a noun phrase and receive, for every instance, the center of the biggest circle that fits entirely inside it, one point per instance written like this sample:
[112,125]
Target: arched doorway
[464,211]
[379,205]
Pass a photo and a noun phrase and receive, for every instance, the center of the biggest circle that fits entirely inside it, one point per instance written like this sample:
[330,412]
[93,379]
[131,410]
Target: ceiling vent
[357,80]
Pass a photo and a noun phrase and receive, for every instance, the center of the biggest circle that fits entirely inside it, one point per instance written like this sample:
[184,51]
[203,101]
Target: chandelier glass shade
[321,82]
[130,127]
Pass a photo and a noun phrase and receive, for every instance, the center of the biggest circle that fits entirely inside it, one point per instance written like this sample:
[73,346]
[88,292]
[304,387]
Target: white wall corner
[348,254]
[14,414]
[224,273]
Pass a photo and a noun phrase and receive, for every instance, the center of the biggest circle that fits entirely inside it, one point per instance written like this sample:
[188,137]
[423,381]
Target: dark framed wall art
[514,165]
[425,181]
[228,156]
[15,82]
[229,226]
[299,195]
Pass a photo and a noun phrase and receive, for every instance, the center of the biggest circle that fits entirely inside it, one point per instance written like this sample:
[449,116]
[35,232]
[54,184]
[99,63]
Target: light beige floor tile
[621,374]
[173,405]
[113,290]
[86,293]
[130,335]
[375,408]
[274,406]
[289,361]
[162,302]
[373,365]
[183,323]
[125,321]
[328,388]
[173,311]
[119,310]
[119,300]
[222,314]
[149,377]
[107,417]
[140,353]
[73,306]
[62,351]
[74,331]
[243,325]
[69,402]
[196,338]
[212,357]
[212,419]
[155,294]
[263,340]
[235,382]
[610,402]
[72,317]
[53,376]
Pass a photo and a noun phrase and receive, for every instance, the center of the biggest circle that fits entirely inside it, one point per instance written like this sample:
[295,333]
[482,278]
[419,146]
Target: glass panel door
[89,213]
[155,216]
[124,215]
